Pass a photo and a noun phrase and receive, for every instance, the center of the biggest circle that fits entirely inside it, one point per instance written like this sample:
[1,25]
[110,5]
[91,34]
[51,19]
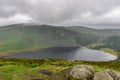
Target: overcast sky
[92,13]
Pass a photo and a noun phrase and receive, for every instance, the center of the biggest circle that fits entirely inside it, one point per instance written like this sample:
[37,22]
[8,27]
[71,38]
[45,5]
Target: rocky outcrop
[83,72]
[107,75]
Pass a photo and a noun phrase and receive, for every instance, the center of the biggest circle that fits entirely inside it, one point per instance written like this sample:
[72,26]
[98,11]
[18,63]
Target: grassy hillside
[108,39]
[45,69]
[101,33]
[26,37]
[22,37]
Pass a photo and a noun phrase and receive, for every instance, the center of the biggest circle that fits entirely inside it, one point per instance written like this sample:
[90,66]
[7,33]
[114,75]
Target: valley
[18,38]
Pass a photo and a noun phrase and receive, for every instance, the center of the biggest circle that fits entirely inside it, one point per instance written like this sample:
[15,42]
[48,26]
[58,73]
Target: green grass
[101,47]
[15,40]
[94,45]
[26,69]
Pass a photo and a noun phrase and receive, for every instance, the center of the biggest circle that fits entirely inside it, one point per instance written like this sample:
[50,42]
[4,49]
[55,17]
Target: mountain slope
[26,37]
[21,37]
[98,32]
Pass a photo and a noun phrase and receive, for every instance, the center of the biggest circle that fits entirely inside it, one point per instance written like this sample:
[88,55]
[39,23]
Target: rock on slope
[107,75]
[85,72]
[82,72]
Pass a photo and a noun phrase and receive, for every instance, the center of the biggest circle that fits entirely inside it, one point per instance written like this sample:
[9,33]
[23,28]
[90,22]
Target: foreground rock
[83,72]
[107,75]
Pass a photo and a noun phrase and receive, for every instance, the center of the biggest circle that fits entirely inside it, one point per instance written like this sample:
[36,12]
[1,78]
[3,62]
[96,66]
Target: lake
[70,53]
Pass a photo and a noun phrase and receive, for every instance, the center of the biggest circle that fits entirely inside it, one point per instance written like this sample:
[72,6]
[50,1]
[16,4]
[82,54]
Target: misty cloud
[18,18]
[61,12]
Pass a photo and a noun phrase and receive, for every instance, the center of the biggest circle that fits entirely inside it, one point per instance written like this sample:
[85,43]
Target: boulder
[83,72]
[107,75]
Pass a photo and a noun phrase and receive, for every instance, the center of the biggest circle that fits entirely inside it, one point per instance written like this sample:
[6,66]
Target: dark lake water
[70,53]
